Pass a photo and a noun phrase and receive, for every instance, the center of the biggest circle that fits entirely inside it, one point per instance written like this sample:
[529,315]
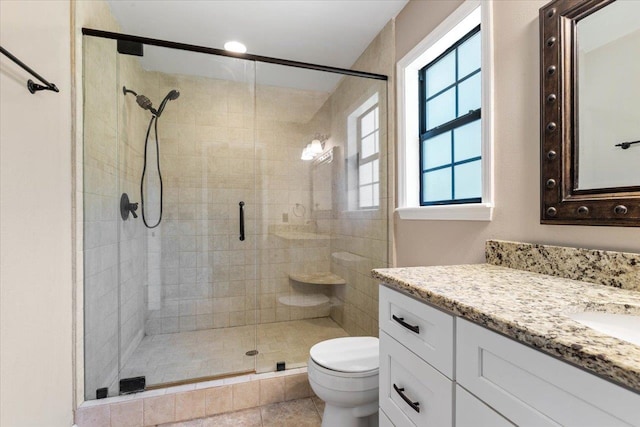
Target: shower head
[171,96]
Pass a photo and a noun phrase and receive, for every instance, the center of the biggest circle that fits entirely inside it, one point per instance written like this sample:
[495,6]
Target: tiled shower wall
[200,274]
[284,195]
[359,238]
[206,275]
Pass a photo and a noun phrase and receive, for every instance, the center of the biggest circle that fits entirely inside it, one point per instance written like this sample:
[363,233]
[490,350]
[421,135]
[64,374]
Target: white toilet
[344,373]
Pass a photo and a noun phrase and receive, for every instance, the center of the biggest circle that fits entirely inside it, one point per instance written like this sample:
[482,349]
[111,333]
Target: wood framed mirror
[590,112]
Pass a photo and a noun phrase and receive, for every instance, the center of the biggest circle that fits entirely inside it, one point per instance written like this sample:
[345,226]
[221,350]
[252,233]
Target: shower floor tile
[183,356]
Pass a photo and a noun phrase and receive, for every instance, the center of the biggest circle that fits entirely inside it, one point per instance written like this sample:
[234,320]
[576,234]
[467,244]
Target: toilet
[344,373]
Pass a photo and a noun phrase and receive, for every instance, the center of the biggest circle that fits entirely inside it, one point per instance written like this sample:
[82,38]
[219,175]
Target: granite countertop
[531,308]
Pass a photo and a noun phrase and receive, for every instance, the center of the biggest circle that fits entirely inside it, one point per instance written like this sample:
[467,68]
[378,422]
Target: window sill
[470,212]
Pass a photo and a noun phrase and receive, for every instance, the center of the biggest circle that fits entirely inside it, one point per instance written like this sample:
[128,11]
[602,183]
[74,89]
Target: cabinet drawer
[523,384]
[402,373]
[471,412]
[426,331]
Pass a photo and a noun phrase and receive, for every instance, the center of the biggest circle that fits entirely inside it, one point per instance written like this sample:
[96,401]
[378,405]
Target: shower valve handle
[133,207]
[127,207]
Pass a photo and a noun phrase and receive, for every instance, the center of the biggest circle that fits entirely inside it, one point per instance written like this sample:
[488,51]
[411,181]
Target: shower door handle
[241,204]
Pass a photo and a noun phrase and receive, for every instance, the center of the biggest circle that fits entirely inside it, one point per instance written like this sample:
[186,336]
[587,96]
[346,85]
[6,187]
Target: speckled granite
[530,307]
[618,269]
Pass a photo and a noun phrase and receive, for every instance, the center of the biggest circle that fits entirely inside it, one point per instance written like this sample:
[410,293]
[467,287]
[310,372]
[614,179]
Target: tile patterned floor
[182,356]
[295,413]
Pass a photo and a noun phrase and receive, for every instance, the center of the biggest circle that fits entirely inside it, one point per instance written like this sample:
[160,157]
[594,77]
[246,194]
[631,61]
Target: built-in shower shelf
[311,300]
[322,278]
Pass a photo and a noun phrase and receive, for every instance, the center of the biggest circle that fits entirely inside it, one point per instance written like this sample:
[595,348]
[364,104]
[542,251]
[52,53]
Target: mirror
[590,112]
[322,182]
[608,63]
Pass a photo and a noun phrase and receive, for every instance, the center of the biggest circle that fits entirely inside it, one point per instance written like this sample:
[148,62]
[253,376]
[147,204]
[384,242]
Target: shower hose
[153,122]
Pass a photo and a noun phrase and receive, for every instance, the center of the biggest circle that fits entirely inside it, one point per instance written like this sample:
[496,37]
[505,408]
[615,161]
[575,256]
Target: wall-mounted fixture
[31,85]
[315,147]
[584,180]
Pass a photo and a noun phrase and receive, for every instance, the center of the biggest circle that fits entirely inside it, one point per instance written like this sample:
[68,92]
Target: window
[450,131]
[363,154]
[445,122]
[368,159]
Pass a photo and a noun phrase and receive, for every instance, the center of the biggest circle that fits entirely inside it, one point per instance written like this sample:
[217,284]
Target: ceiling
[326,32]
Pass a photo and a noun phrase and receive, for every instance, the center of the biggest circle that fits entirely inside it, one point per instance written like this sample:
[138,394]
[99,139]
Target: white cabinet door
[412,393]
[383,420]
[470,412]
[531,388]
[426,331]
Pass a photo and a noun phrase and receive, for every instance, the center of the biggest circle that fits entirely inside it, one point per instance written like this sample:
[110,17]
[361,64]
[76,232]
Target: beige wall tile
[245,395]
[93,416]
[127,414]
[218,400]
[271,390]
[296,386]
[158,410]
[190,405]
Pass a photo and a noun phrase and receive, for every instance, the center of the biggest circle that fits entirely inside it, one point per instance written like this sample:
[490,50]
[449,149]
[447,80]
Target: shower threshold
[210,354]
[198,380]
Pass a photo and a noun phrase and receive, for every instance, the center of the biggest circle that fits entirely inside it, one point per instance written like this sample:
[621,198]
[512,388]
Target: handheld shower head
[171,96]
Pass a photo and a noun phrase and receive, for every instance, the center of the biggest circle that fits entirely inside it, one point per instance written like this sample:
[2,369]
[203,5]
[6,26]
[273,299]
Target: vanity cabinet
[416,362]
[531,388]
[494,382]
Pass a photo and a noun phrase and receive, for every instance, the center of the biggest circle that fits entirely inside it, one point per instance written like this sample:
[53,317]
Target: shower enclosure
[248,254]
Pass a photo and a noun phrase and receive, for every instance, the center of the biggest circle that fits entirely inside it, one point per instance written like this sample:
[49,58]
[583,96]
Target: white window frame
[353,184]
[463,20]
[371,159]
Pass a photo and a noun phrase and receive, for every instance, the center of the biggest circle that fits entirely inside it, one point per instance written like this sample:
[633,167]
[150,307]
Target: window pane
[441,109]
[366,174]
[368,146]
[368,123]
[469,56]
[436,151]
[467,141]
[376,195]
[366,195]
[469,94]
[376,170]
[441,74]
[436,185]
[468,180]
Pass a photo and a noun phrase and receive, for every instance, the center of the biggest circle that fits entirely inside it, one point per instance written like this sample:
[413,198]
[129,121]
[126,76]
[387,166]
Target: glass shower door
[322,163]
[174,300]
[187,284]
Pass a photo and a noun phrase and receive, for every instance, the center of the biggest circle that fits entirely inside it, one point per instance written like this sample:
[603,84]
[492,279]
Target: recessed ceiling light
[234,46]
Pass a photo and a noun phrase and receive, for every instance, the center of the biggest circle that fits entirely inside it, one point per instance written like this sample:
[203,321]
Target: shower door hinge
[132,385]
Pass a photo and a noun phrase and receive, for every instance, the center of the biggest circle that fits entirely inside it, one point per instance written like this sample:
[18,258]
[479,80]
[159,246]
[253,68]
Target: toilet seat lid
[350,354]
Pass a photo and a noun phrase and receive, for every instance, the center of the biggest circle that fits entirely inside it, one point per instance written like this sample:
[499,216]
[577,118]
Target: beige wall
[35,219]
[516,145]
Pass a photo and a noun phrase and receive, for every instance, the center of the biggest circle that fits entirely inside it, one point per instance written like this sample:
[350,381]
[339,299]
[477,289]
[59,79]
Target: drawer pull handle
[414,405]
[400,320]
